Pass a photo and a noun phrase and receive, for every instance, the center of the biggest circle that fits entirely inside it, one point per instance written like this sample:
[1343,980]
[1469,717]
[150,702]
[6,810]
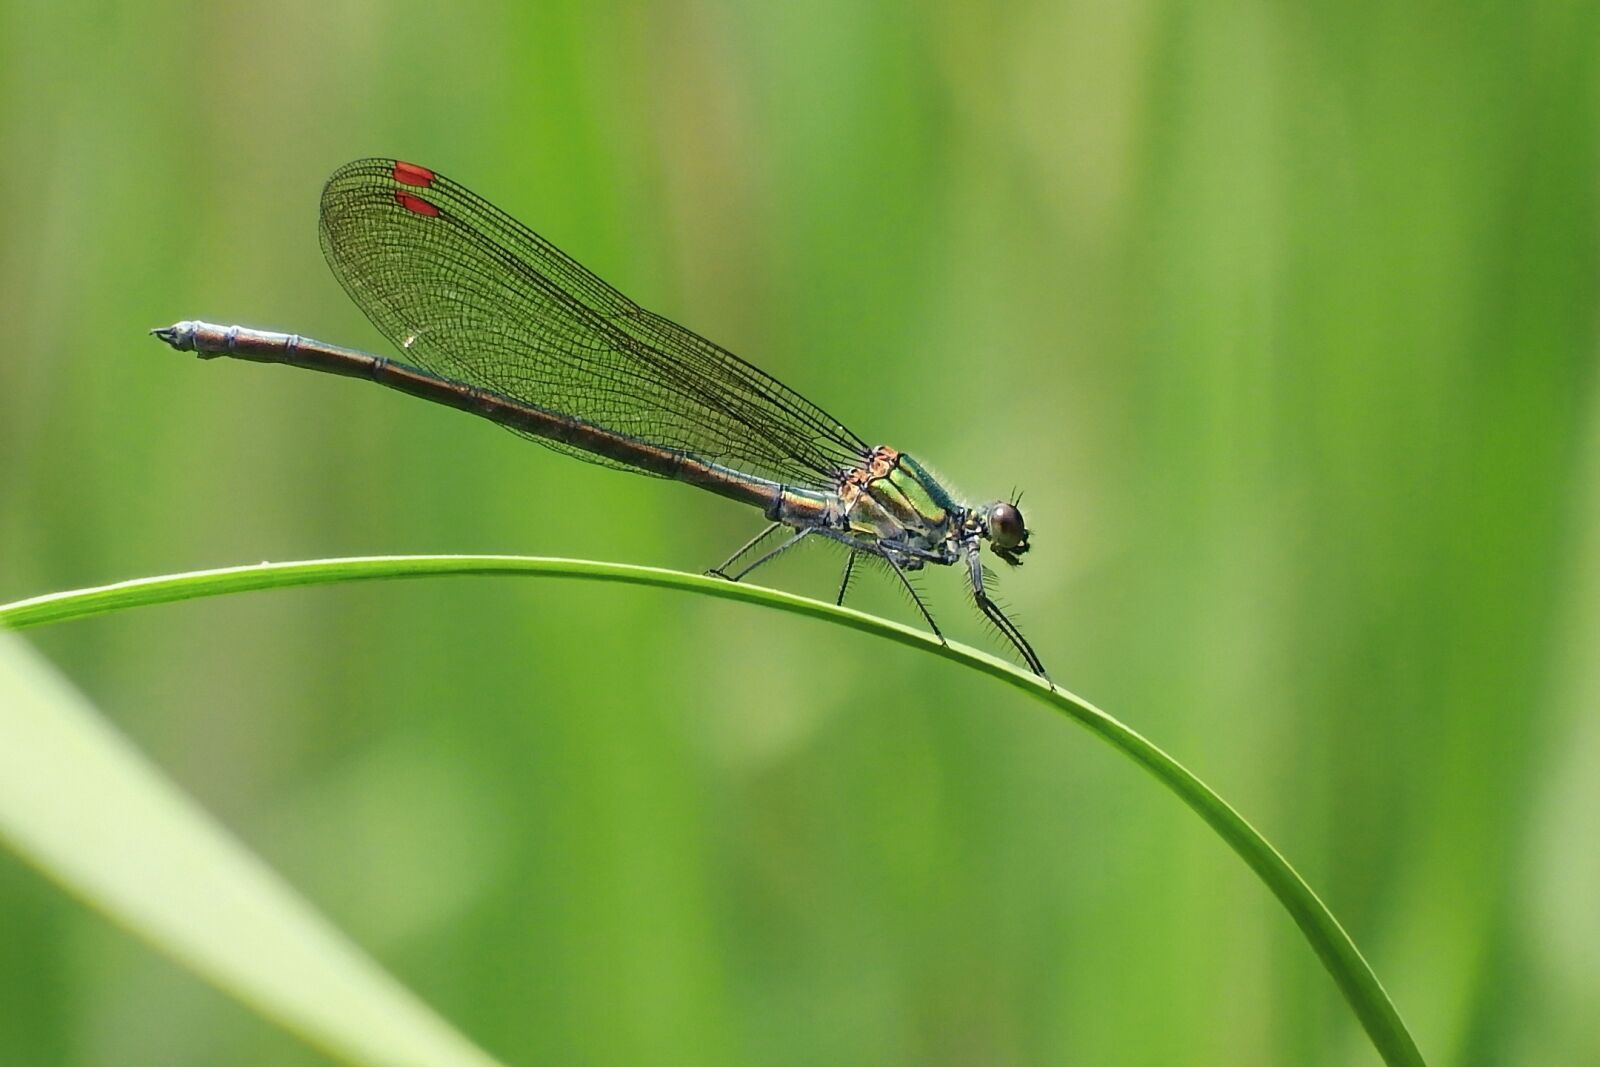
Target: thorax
[893,498]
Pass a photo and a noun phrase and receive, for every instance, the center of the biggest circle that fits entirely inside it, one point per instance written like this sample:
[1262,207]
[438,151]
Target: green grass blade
[88,810]
[1328,939]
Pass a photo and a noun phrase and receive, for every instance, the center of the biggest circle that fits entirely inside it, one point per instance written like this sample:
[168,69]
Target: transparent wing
[467,292]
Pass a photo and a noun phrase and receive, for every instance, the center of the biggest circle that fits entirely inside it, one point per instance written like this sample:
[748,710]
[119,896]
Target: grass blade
[1339,955]
[89,811]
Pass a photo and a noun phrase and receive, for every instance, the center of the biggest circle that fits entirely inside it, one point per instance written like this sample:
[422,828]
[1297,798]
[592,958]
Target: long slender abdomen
[797,505]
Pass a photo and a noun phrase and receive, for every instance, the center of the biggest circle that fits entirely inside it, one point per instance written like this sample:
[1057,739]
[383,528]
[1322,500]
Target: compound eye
[1005,528]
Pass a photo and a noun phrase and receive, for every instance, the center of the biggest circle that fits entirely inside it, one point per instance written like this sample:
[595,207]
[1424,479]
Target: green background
[1282,315]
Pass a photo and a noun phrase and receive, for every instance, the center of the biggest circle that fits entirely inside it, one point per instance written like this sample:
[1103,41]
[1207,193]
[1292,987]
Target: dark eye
[1005,527]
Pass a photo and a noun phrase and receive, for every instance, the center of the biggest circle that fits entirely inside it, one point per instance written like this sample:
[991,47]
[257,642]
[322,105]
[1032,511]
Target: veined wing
[468,292]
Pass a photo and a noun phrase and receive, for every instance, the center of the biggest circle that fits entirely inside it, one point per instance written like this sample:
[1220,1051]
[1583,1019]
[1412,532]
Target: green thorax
[894,498]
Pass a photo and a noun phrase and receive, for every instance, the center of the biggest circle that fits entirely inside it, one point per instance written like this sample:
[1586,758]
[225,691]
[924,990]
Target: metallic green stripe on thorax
[906,503]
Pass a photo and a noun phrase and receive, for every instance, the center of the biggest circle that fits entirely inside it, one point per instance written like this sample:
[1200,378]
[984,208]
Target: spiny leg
[795,540]
[720,570]
[911,591]
[867,548]
[992,612]
[916,598]
[844,583]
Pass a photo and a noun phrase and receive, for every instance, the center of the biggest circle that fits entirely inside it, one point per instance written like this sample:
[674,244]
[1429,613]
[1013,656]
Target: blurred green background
[1283,315]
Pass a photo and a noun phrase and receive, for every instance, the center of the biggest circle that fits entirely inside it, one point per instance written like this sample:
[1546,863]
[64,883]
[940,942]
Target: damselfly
[496,321]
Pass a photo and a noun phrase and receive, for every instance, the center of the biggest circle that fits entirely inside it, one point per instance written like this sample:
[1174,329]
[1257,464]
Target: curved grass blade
[1339,955]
